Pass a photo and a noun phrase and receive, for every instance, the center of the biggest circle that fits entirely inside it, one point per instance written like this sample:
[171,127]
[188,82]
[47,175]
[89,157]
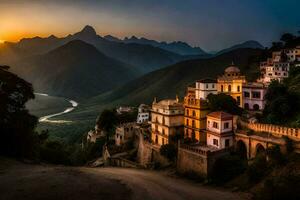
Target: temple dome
[232,69]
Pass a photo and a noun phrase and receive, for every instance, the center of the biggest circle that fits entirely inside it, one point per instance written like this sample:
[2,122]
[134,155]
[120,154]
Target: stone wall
[198,161]
[292,133]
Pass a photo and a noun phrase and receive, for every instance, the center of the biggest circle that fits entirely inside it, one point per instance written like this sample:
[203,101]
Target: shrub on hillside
[228,167]
[258,169]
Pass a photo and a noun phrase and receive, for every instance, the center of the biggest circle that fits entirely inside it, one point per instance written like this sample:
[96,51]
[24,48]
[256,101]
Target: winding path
[67,110]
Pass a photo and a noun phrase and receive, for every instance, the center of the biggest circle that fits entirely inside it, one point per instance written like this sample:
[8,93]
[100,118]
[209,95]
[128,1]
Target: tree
[281,104]
[287,37]
[107,121]
[223,102]
[16,124]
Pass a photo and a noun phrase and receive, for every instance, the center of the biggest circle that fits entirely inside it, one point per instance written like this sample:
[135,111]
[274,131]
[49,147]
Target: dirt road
[20,181]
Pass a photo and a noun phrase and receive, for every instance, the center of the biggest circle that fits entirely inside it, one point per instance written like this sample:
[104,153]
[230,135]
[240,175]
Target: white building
[275,68]
[254,96]
[219,130]
[205,87]
[143,114]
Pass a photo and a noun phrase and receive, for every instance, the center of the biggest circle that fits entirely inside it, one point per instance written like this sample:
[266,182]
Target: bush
[169,151]
[227,167]
[258,169]
[275,156]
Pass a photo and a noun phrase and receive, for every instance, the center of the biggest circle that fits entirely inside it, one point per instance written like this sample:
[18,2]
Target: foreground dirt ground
[32,182]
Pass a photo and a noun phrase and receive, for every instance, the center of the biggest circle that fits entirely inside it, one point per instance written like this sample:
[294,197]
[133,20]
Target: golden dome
[232,69]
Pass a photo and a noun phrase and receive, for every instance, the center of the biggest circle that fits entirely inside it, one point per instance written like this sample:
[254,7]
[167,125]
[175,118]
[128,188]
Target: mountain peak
[88,31]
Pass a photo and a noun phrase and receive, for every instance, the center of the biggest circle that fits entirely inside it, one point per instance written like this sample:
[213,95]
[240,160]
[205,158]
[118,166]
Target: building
[124,133]
[205,87]
[220,130]
[166,120]
[293,54]
[274,70]
[195,111]
[254,96]
[124,109]
[143,114]
[231,83]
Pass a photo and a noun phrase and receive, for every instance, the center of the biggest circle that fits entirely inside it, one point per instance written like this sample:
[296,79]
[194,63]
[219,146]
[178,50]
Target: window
[163,141]
[238,88]
[227,142]
[213,85]
[187,122]
[194,113]
[229,88]
[206,85]
[238,100]
[222,88]
[163,131]
[193,123]
[226,125]
[256,95]
[246,94]
[215,125]
[187,112]
[215,142]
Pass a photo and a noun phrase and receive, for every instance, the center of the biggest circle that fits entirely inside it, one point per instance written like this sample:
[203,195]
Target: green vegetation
[223,102]
[18,138]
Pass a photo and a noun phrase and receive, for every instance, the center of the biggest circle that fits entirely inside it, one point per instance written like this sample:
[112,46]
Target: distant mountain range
[85,64]
[248,44]
[76,70]
[146,57]
[178,47]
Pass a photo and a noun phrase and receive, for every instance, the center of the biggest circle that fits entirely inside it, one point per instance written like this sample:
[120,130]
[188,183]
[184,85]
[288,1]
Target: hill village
[201,137]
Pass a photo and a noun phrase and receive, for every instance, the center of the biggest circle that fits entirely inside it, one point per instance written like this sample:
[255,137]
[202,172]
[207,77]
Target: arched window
[193,123]
[229,88]
[222,88]
[238,88]
[187,112]
[194,113]
[187,122]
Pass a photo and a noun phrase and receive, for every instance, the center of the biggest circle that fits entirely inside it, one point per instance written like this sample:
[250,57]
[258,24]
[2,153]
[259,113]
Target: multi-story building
[124,133]
[293,54]
[231,83]
[166,120]
[143,114]
[274,70]
[205,87]
[220,130]
[195,110]
[254,96]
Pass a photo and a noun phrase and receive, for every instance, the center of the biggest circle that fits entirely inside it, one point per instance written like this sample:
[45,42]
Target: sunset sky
[210,24]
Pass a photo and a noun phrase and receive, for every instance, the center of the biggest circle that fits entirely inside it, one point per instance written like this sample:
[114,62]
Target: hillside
[146,57]
[167,82]
[75,70]
[248,44]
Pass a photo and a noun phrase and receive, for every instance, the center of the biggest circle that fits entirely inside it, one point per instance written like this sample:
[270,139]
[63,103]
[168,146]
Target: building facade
[254,96]
[231,83]
[195,111]
[143,114]
[124,133]
[220,130]
[166,120]
[205,87]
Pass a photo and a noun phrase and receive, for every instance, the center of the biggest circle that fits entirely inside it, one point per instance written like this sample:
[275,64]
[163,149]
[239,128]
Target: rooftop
[207,80]
[220,115]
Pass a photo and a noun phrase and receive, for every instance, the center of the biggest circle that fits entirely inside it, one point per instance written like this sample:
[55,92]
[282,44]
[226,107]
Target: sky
[209,24]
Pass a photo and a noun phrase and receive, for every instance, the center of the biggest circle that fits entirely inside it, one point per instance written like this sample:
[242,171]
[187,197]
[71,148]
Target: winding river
[47,118]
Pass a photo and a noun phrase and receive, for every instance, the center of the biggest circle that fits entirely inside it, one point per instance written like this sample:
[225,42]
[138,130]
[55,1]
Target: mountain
[76,70]
[178,47]
[248,44]
[169,81]
[146,57]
